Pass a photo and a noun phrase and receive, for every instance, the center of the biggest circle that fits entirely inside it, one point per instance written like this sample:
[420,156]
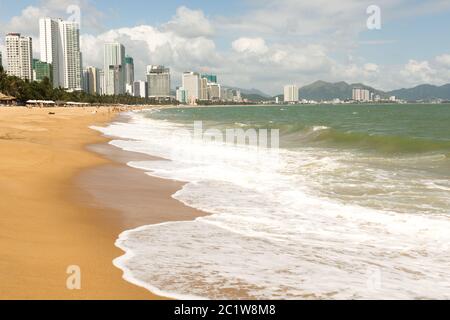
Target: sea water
[354,204]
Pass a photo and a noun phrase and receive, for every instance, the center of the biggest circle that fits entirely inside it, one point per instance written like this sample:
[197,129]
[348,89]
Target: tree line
[25,90]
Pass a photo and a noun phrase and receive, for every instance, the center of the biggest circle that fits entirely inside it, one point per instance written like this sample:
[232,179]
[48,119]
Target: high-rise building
[60,47]
[91,80]
[181,95]
[214,91]
[203,89]
[237,96]
[158,79]
[361,95]
[129,71]
[140,89]
[290,93]
[226,94]
[191,83]
[212,78]
[114,68]
[42,70]
[101,77]
[19,51]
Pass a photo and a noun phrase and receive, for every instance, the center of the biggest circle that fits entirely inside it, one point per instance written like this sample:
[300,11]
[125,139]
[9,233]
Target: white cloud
[371,67]
[250,45]
[418,71]
[274,43]
[443,60]
[150,45]
[189,23]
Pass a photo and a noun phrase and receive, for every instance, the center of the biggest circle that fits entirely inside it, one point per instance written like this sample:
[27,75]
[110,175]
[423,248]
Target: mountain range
[322,90]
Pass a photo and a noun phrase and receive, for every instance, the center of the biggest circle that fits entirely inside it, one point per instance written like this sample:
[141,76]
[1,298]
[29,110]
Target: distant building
[290,93]
[114,68]
[214,91]
[212,78]
[393,98]
[361,95]
[91,81]
[42,70]
[181,95]
[101,76]
[226,95]
[158,81]
[140,89]
[203,89]
[60,47]
[129,71]
[277,100]
[191,83]
[237,96]
[129,89]
[19,50]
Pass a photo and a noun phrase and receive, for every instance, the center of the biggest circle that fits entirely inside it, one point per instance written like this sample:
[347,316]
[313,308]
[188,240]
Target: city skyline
[267,44]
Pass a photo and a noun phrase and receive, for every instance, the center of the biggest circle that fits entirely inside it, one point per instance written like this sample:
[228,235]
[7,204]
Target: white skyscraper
[191,84]
[203,89]
[214,91]
[290,93]
[101,76]
[60,46]
[19,53]
[181,95]
[360,94]
[114,68]
[140,89]
[158,79]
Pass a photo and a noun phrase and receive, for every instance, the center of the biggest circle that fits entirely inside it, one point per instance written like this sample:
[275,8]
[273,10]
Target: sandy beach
[65,196]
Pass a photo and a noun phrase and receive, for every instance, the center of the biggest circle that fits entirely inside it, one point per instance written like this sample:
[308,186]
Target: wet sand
[62,204]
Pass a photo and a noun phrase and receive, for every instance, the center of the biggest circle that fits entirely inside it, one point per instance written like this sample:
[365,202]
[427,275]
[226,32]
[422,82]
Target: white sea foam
[313,224]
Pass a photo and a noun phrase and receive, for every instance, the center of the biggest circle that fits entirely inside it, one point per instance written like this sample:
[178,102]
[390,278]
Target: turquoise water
[389,128]
[354,204]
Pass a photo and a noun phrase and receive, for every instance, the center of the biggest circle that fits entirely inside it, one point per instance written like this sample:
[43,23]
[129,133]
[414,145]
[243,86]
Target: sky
[263,44]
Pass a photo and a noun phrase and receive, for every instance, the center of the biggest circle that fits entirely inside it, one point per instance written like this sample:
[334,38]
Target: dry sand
[62,204]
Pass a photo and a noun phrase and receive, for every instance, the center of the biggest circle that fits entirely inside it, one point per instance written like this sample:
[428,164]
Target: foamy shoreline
[337,239]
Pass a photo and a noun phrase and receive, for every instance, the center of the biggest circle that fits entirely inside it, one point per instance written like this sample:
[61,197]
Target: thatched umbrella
[8,100]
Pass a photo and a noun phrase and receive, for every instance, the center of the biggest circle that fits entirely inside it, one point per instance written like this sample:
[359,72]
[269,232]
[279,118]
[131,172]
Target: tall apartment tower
[60,46]
[91,80]
[19,53]
[114,68]
[290,93]
[192,85]
[361,95]
[158,80]
[129,70]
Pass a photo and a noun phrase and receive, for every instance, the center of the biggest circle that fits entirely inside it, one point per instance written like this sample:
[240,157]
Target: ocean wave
[275,230]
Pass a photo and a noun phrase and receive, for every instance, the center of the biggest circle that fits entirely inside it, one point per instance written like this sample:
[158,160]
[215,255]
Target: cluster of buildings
[359,94]
[60,59]
[61,62]
[365,95]
[202,88]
